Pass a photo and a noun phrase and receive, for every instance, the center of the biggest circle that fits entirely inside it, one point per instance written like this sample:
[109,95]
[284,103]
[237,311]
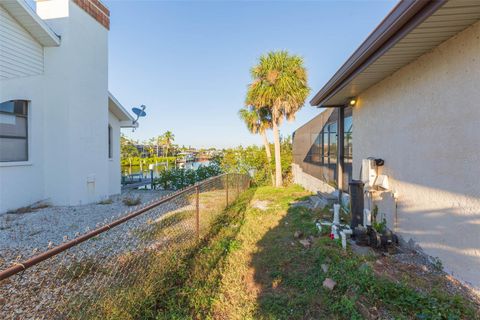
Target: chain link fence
[120,265]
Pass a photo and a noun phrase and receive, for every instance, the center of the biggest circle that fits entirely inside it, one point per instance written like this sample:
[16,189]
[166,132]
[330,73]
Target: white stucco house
[59,124]
[410,95]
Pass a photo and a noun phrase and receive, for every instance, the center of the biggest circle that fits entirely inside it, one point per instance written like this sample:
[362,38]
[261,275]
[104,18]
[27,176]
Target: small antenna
[139,112]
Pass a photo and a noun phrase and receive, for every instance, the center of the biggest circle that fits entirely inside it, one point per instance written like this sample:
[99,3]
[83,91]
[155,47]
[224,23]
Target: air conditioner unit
[369,172]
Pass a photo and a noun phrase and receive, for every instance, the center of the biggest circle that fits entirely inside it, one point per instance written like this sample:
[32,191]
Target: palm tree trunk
[278,162]
[166,156]
[269,155]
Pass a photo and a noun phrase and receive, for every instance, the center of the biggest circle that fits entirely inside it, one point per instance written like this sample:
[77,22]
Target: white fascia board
[126,119]
[128,124]
[38,28]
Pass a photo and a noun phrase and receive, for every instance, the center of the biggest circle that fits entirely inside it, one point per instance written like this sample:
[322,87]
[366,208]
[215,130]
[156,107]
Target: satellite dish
[139,112]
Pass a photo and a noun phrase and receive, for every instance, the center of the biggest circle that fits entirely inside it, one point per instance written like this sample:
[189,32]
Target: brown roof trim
[406,15]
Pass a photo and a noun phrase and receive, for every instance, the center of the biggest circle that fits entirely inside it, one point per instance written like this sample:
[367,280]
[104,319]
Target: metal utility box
[356,198]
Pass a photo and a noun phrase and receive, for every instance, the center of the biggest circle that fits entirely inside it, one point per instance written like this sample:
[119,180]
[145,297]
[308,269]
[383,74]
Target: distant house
[59,125]
[410,95]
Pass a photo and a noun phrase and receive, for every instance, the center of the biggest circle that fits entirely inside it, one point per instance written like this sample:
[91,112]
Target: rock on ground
[329,284]
[324,267]
[305,243]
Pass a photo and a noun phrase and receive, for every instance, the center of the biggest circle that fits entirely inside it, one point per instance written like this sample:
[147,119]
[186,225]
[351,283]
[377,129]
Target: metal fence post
[237,183]
[197,215]
[226,176]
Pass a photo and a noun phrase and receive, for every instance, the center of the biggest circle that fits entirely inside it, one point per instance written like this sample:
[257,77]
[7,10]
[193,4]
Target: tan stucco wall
[424,120]
[309,182]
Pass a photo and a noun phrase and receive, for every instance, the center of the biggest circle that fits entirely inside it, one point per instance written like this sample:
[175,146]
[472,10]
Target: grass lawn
[250,266]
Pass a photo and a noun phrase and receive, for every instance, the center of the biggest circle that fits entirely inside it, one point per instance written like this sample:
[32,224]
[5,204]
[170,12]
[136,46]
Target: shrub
[105,201]
[252,160]
[131,201]
[176,178]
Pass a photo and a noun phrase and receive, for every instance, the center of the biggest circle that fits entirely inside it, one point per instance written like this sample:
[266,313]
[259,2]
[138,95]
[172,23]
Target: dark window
[315,153]
[323,152]
[324,133]
[348,138]
[347,148]
[14,131]
[110,142]
[332,143]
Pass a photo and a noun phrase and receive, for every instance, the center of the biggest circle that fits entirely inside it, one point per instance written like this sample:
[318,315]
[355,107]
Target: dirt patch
[252,285]
[413,269]
[261,205]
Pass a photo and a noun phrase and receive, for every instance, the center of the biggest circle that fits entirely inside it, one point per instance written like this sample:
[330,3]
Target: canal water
[160,167]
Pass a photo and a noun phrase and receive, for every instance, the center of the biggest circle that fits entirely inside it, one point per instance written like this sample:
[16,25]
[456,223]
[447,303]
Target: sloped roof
[411,29]
[115,107]
[25,15]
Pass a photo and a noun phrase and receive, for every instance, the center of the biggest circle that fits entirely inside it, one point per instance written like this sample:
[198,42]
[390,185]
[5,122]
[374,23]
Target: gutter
[406,16]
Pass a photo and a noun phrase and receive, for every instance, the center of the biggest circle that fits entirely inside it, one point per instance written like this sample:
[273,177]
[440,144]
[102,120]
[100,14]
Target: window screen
[14,131]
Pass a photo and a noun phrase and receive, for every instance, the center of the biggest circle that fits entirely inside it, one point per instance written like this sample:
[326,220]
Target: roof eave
[126,119]
[31,22]
[399,22]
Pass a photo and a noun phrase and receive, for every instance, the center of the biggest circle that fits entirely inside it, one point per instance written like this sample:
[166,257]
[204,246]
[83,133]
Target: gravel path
[22,234]
[85,272]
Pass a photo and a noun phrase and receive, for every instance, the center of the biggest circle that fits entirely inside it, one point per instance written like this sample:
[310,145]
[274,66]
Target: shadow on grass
[186,294]
[288,277]
[163,280]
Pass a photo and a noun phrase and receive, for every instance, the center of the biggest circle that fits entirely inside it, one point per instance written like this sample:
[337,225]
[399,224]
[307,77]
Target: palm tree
[258,121]
[279,84]
[150,146]
[156,142]
[167,139]
[128,150]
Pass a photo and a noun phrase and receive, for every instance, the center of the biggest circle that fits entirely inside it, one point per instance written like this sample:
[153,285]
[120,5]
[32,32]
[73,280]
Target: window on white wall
[14,131]
[110,142]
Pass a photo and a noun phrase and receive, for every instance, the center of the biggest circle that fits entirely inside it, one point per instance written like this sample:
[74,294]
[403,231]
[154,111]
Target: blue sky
[189,61]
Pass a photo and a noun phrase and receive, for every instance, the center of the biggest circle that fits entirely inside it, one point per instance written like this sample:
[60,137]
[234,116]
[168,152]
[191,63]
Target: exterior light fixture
[352,101]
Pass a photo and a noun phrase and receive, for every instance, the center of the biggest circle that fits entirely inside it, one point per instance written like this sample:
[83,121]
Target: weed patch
[132,201]
[105,201]
[250,265]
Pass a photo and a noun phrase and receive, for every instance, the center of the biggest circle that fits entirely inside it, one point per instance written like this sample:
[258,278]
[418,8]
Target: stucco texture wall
[424,120]
[68,118]
[80,105]
[309,182]
[21,184]
[114,170]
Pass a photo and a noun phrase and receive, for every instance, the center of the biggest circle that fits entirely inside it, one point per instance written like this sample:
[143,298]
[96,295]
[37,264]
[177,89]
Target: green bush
[175,178]
[252,160]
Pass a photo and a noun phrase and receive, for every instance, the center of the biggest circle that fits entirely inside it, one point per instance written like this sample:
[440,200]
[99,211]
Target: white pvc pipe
[335,231]
[344,234]
[344,240]
[367,218]
[336,214]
